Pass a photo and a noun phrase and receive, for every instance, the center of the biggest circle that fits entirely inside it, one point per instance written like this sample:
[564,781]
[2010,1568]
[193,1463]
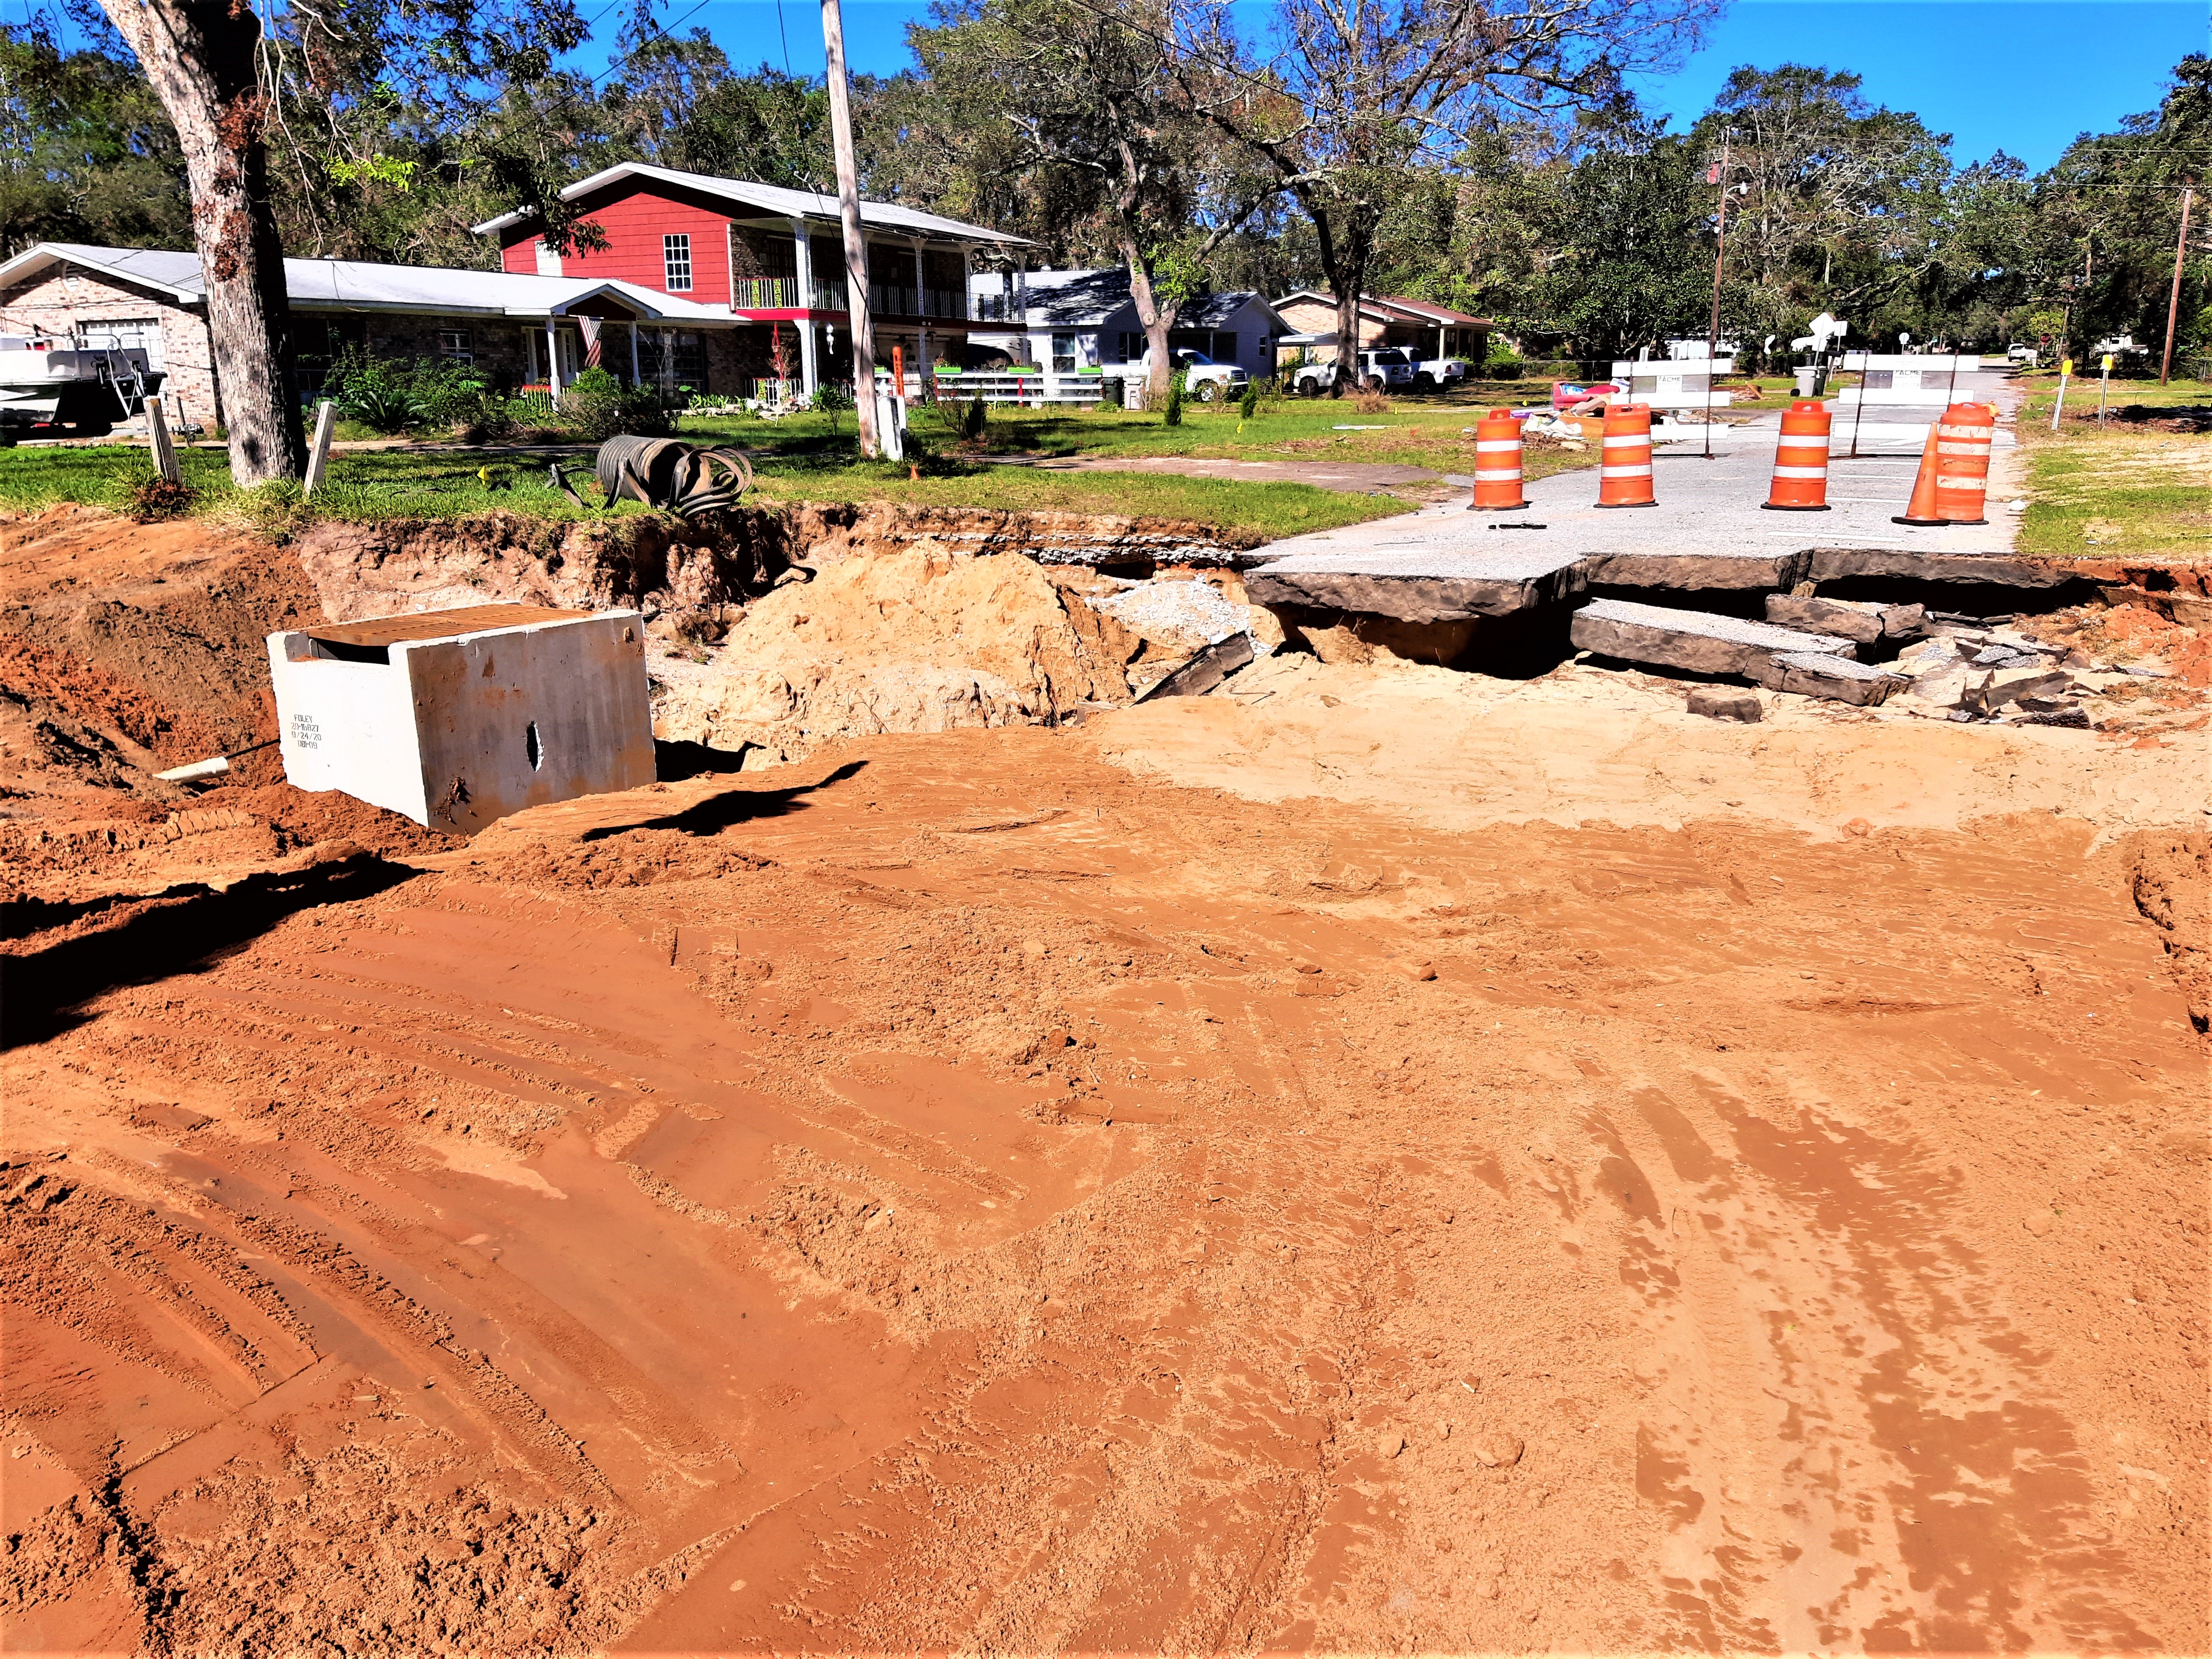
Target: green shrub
[1503,364]
[1175,399]
[1248,405]
[832,395]
[388,395]
[973,418]
[597,406]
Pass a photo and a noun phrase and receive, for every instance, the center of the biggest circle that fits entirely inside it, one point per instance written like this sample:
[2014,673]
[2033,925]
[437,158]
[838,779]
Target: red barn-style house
[771,260]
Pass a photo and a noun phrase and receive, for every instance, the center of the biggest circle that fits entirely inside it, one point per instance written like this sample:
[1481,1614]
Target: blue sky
[1977,69]
[2022,76]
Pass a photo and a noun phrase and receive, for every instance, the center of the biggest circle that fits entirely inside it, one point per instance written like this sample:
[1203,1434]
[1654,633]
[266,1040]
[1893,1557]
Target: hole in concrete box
[531,747]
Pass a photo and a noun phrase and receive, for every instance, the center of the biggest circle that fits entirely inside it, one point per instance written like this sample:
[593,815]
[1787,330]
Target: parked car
[2018,353]
[1378,371]
[1202,378]
[1431,374]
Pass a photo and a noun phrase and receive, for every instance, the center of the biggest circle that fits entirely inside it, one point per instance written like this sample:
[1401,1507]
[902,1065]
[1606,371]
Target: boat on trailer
[81,384]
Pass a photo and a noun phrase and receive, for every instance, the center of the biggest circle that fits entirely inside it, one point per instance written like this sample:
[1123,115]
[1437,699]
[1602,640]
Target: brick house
[1432,330]
[526,331]
[769,259]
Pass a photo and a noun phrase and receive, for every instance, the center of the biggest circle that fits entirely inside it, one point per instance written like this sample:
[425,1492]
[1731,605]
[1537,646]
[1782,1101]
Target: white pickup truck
[1202,378]
[1434,373]
[1379,370]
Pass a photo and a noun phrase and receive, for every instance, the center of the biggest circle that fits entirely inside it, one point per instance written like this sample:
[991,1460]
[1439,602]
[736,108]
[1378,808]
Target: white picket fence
[1036,390]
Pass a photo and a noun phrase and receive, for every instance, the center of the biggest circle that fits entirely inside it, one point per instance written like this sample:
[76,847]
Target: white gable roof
[775,201]
[359,285]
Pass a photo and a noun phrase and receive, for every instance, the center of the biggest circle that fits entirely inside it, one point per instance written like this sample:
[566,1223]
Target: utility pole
[2173,299]
[848,210]
[1720,252]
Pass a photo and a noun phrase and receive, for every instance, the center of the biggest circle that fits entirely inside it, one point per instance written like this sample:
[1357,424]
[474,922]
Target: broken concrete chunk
[1720,703]
[1848,619]
[1863,621]
[1419,584]
[1821,674]
[1205,670]
[1695,639]
[1834,563]
[1904,622]
[1697,572]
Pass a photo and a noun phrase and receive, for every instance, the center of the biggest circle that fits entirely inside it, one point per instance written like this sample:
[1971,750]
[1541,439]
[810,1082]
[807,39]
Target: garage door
[131,334]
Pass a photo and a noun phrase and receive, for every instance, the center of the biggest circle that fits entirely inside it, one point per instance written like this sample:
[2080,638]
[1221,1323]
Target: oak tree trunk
[1157,320]
[199,55]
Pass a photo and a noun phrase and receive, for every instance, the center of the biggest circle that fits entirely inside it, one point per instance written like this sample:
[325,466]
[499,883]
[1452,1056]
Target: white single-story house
[521,330]
[1071,321]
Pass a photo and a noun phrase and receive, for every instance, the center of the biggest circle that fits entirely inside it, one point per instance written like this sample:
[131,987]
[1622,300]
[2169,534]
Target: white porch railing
[1022,391]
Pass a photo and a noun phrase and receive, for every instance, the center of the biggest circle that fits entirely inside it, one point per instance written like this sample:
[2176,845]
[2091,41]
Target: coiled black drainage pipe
[664,473]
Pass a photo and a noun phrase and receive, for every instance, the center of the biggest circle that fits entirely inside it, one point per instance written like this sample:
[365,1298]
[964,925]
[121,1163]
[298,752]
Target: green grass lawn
[1409,433]
[2119,491]
[808,460]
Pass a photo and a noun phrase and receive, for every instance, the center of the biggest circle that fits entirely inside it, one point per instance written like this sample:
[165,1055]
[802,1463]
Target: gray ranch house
[1084,322]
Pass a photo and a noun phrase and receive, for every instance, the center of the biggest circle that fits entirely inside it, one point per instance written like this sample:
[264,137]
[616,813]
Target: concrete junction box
[457,717]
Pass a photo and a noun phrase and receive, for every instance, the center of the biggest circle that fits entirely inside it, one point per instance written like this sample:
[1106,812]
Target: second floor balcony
[885,299]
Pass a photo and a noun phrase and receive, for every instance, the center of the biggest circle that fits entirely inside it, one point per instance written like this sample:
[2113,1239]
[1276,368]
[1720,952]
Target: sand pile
[922,640]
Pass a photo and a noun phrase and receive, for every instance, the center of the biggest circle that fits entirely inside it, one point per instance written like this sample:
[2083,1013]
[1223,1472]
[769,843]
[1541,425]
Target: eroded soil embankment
[694,575]
[968,1198]
[125,649]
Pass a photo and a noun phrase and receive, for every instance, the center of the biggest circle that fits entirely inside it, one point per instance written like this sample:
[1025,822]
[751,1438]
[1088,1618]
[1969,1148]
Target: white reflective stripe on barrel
[1801,472]
[1491,445]
[1979,432]
[1958,481]
[1629,440]
[1961,449]
[1499,475]
[1813,447]
[1643,471]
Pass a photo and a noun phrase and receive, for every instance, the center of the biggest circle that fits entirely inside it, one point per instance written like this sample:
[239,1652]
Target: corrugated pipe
[662,472]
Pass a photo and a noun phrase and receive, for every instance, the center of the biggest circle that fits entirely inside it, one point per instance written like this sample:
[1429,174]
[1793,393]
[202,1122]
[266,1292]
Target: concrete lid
[439,624]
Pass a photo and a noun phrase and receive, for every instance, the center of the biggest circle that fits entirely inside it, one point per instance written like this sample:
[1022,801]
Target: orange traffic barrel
[1801,460]
[1954,468]
[1497,464]
[1624,472]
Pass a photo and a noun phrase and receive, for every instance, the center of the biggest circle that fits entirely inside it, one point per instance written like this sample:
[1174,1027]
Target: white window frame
[458,345]
[676,262]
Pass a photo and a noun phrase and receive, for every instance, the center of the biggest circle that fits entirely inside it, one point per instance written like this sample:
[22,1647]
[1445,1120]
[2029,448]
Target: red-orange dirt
[1003,1192]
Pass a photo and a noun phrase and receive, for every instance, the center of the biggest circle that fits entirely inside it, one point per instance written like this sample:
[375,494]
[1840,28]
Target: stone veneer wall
[62,297]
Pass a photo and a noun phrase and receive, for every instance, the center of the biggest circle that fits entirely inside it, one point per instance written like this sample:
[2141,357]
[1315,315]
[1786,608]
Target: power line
[657,30]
